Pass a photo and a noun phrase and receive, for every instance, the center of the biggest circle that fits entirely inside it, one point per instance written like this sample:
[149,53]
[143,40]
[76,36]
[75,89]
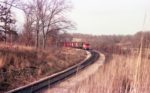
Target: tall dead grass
[122,74]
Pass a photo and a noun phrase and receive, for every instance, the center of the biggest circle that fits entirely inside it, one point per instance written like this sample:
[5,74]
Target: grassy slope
[19,66]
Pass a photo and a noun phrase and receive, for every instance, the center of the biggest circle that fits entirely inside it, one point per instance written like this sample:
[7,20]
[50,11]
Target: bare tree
[7,19]
[49,18]
[28,31]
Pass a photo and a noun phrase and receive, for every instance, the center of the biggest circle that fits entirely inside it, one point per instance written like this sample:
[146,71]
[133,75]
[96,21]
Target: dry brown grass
[122,74]
[1,63]
[22,65]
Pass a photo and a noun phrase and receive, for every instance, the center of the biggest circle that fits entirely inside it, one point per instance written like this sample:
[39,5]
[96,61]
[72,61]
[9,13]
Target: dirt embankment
[22,66]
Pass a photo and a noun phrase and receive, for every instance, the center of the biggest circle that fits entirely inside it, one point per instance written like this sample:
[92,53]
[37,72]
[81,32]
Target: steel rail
[53,79]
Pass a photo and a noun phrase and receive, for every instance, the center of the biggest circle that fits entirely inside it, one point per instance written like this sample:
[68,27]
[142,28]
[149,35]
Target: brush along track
[53,79]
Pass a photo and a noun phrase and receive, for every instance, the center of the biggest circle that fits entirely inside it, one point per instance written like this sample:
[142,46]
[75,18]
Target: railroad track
[53,79]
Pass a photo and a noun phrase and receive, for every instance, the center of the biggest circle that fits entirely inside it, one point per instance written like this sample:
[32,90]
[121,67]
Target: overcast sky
[110,16]
[107,16]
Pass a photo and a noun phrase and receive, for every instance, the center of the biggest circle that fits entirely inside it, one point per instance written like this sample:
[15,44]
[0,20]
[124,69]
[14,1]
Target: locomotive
[80,45]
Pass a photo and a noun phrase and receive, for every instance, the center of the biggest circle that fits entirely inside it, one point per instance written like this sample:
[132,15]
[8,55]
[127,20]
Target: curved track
[53,79]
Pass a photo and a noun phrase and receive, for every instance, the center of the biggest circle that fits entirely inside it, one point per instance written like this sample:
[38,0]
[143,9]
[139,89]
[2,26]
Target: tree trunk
[5,23]
[44,34]
[44,40]
[37,39]
[37,33]
[5,34]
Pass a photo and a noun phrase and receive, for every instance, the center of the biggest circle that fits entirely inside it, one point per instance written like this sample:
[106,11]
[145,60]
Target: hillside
[20,66]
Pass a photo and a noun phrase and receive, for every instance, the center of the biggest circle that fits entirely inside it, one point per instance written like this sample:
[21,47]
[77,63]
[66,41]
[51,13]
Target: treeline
[46,22]
[117,43]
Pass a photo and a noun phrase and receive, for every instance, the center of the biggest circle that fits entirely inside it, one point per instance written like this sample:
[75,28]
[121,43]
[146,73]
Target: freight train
[81,45]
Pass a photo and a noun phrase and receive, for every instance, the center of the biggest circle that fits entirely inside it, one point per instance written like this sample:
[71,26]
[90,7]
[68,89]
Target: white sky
[106,16]
[110,16]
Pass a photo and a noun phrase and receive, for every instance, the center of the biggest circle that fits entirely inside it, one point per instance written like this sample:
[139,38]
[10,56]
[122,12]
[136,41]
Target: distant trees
[7,31]
[141,38]
[117,43]
[100,41]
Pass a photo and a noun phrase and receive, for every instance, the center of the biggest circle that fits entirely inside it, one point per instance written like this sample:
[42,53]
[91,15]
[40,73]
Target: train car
[81,45]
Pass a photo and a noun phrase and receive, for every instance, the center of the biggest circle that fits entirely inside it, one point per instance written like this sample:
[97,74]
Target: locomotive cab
[86,46]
